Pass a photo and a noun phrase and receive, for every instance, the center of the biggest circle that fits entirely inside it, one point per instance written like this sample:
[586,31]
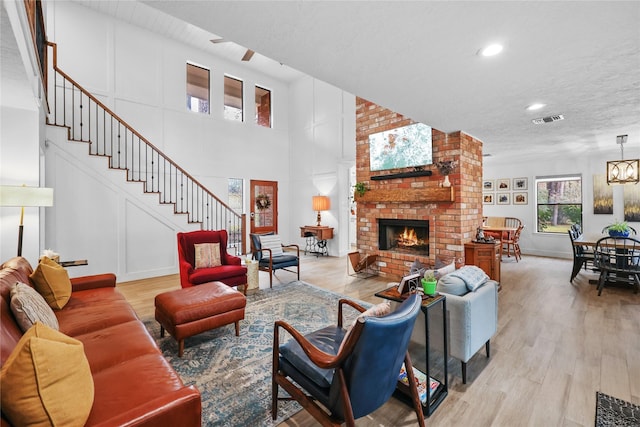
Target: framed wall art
[520,198]
[503,184]
[487,185]
[520,184]
[602,196]
[488,199]
[503,198]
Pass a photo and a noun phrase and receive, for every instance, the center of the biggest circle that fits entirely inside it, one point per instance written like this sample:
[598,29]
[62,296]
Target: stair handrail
[240,217]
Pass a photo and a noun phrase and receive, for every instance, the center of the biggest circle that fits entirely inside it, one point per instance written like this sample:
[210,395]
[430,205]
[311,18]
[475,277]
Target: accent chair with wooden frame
[271,254]
[351,374]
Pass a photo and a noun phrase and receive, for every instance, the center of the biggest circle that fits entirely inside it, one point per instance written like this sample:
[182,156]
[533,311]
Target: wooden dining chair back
[495,221]
[582,258]
[512,243]
[618,259]
[512,222]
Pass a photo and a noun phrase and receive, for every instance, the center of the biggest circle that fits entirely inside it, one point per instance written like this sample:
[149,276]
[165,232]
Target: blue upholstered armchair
[269,251]
[351,374]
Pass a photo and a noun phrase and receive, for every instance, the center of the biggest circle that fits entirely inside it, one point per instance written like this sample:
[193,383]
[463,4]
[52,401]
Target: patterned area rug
[611,411]
[233,373]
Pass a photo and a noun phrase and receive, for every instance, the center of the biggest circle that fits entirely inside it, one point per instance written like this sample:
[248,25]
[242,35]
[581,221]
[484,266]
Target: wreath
[262,202]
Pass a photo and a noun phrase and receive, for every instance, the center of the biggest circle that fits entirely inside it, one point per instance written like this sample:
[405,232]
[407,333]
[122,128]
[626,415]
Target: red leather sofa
[134,385]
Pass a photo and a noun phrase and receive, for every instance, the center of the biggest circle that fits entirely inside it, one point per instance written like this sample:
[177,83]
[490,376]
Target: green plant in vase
[429,283]
[360,188]
[618,229]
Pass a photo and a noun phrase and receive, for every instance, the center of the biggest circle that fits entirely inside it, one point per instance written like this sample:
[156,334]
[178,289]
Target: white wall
[584,164]
[141,76]
[21,132]
[322,151]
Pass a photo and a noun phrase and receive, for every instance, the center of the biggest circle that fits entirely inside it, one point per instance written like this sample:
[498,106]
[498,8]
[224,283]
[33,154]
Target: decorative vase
[446,182]
[614,233]
[429,287]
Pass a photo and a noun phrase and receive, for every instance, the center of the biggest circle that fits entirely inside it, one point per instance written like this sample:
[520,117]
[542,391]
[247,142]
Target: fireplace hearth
[405,236]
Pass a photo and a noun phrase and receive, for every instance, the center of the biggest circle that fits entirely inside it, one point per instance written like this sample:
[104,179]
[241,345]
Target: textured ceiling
[581,59]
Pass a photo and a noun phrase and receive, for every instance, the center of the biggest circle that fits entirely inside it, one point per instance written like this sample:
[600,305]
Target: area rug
[233,373]
[611,411]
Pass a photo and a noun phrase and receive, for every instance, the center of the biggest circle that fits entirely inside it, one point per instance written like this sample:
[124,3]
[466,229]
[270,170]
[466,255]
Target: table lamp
[321,203]
[22,196]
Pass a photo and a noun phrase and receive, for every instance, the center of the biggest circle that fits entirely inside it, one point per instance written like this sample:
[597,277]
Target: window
[235,194]
[263,107]
[233,99]
[558,203]
[197,89]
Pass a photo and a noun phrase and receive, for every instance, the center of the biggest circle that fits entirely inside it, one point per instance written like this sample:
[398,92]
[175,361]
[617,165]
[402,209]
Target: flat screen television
[404,147]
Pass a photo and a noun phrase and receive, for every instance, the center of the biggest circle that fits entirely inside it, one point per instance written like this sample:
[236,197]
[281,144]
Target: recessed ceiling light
[491,50]
[534,107]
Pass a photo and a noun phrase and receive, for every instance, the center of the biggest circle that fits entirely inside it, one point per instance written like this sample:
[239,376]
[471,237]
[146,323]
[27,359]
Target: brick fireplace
[453,213]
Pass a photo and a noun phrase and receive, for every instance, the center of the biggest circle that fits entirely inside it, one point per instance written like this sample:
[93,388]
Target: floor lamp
[21,196]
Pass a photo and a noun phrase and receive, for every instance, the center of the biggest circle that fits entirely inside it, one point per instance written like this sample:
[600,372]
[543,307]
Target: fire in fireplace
[407,236]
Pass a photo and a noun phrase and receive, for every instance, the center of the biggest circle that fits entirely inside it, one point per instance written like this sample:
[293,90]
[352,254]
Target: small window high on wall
[263,107]
[197,89]
[233,99]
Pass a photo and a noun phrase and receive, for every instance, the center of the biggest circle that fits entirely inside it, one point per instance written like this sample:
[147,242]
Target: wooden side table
[484,255]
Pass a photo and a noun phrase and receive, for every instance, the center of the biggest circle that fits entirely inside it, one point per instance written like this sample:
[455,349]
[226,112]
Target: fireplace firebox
[406,236]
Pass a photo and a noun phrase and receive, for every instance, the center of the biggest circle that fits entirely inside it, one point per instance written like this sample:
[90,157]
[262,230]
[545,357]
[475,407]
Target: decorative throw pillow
[444,270]
[377,310]
[452,285]
[29,307]
[207,255]
[417,268]
[47,380]
[273,242]
[52,282]
[473,276]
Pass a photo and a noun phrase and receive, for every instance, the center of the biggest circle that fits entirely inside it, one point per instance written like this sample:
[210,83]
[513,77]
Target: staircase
[89,121]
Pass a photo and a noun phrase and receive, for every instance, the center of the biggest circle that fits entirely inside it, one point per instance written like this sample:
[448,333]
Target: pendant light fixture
[623,171]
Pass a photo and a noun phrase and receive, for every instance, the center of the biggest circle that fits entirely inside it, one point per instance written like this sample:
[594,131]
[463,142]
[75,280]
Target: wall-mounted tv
[408,146]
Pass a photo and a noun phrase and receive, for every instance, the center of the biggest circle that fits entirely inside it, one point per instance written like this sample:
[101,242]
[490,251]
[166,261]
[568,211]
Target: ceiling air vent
[548,119]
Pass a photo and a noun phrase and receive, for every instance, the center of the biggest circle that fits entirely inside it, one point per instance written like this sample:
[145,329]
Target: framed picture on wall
[487,185]
[503,198]
[520,184]
[488,199]
[503,184]
[520,198]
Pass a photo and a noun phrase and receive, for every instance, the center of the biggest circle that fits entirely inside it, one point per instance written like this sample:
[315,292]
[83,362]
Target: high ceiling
[419,58]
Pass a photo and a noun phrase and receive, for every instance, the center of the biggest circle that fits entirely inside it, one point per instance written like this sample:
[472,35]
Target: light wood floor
[557,344]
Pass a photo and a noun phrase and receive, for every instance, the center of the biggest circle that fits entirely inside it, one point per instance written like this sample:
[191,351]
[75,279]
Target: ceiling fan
[247,55]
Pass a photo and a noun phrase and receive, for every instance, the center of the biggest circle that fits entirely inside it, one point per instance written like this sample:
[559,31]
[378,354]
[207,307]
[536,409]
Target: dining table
[589,241]
[502,232]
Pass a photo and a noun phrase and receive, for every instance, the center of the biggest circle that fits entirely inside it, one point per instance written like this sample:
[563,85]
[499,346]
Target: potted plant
[445,167]
[429,282]
[618,229]
[360,188]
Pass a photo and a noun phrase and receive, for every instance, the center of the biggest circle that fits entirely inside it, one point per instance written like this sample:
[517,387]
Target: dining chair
[513,242]
[618,259]
[581,256]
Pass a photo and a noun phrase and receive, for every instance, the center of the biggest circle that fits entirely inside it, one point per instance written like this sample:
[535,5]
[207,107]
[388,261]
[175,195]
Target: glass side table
[441,387]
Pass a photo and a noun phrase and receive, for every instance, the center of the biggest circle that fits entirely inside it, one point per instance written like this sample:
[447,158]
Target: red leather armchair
[231,272]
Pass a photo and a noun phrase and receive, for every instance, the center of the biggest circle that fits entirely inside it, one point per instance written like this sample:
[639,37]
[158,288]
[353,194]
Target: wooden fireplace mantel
[439,194]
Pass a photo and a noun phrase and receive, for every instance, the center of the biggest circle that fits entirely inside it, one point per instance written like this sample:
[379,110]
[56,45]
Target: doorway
[263,206]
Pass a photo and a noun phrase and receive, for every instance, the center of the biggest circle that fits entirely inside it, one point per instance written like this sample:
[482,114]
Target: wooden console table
[321,234]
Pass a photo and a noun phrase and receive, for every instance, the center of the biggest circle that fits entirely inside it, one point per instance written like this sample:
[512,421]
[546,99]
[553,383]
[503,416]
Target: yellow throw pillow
[207,255]
[51,280]
[47,380]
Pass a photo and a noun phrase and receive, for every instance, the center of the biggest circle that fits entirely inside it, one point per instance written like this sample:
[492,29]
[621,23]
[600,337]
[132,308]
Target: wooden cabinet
[484,255]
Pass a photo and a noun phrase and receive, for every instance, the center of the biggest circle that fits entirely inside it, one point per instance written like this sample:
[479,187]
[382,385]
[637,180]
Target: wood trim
[440,194]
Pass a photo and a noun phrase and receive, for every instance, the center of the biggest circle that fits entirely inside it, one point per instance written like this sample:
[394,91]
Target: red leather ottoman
[189,311]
